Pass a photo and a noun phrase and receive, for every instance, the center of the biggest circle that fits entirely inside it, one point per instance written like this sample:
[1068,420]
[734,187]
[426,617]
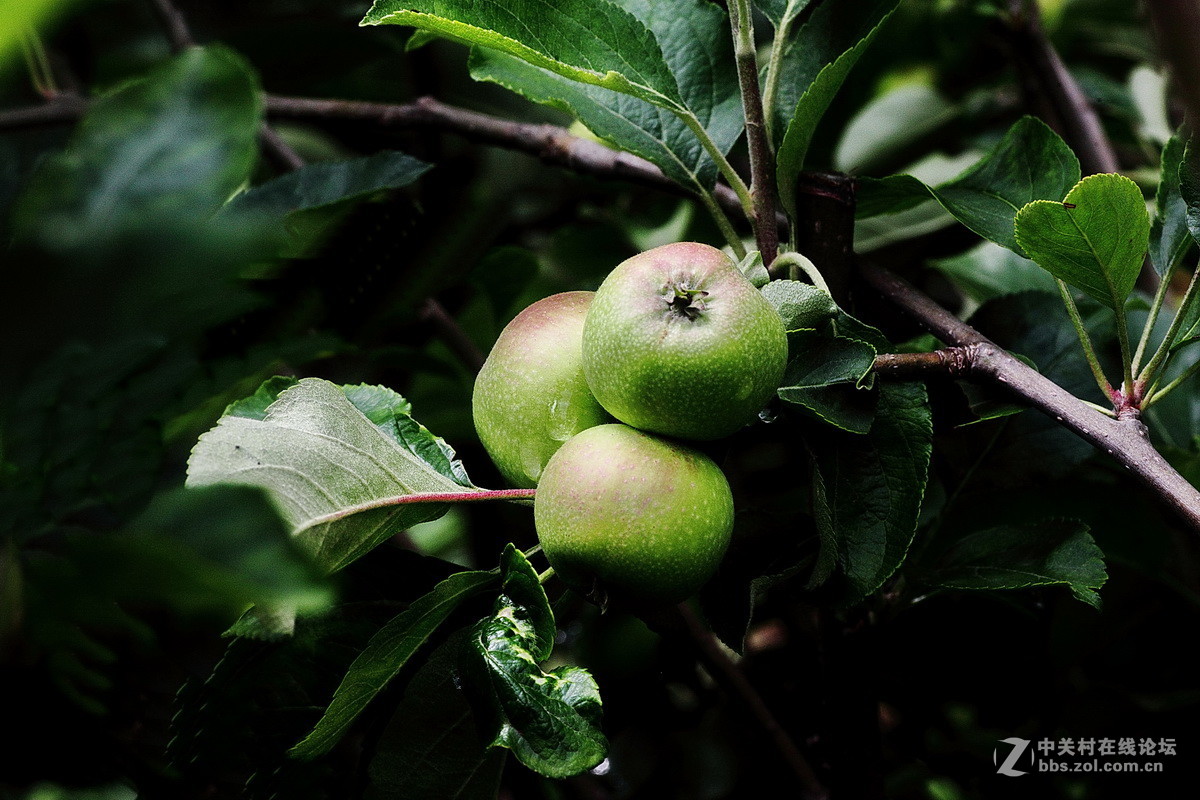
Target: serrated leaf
[324,463]
[1030,163]
[818,359]
[1169,235]
[435,726]
[595,43]
[698,51]
[325,184]
[386,654]
[1053,552]
[832,41]
[842,406]
[802,305]
[550,721]
[873,485]
[1095,239]
[387,410]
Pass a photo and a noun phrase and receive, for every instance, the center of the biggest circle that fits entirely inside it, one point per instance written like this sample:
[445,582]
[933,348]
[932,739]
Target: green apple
[531,396]
[678,341]
[632,517]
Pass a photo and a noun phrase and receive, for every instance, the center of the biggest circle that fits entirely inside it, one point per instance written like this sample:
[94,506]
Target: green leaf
[818,359]
[550,721]
[842,406]
[1169,236]
[387,410]
[319,185]
[18,18]
[891,123]
[1048,553]
[1189,186]
[781,12]
[699,53]
[802,305]
[125,165]
[873,485]
[1095,239]
[988,271]
[386,654]
[435,726]
[833,26]
[324,464]
[590,42]
[1030,163]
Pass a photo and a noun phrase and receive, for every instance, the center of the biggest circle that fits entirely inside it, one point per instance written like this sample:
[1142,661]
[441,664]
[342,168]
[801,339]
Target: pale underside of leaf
[318,456]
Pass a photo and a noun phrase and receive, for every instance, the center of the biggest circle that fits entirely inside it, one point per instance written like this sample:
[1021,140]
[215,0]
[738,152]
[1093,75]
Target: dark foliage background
[128,327]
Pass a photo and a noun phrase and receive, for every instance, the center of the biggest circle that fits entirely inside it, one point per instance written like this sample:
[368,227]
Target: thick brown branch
[951,361]
[1124,438]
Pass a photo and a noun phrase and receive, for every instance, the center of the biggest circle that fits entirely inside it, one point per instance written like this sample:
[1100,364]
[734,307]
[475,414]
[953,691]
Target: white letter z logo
[1018,747]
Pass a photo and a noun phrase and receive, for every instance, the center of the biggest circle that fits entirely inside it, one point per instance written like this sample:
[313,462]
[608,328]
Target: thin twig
[59,110]
[725,670]
[1124,438]
[1055,92]
[762,157]
[174,23]
[278,150]
[452,334]
[1177,29]
[552,144]
[180,35]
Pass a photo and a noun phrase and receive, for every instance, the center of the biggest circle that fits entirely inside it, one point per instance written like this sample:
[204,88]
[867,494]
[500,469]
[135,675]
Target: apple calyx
[683,300]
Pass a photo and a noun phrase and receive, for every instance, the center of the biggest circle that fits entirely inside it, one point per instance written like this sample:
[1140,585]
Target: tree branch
[1177,28]
[1053,91]
[762,158]
[975,356]
[173,22]
[179,34]
[452,334]
[727,672]
[550,143]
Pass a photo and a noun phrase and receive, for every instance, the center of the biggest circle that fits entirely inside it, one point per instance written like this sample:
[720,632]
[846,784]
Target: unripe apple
[633,517]
[531,396]
[678,341]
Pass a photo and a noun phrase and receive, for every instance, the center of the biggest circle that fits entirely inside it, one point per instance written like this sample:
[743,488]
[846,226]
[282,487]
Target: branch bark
[1177,28]
[727,673]
[762,157]
[974,356]
[552,144]
[1052,90]
[179,34]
